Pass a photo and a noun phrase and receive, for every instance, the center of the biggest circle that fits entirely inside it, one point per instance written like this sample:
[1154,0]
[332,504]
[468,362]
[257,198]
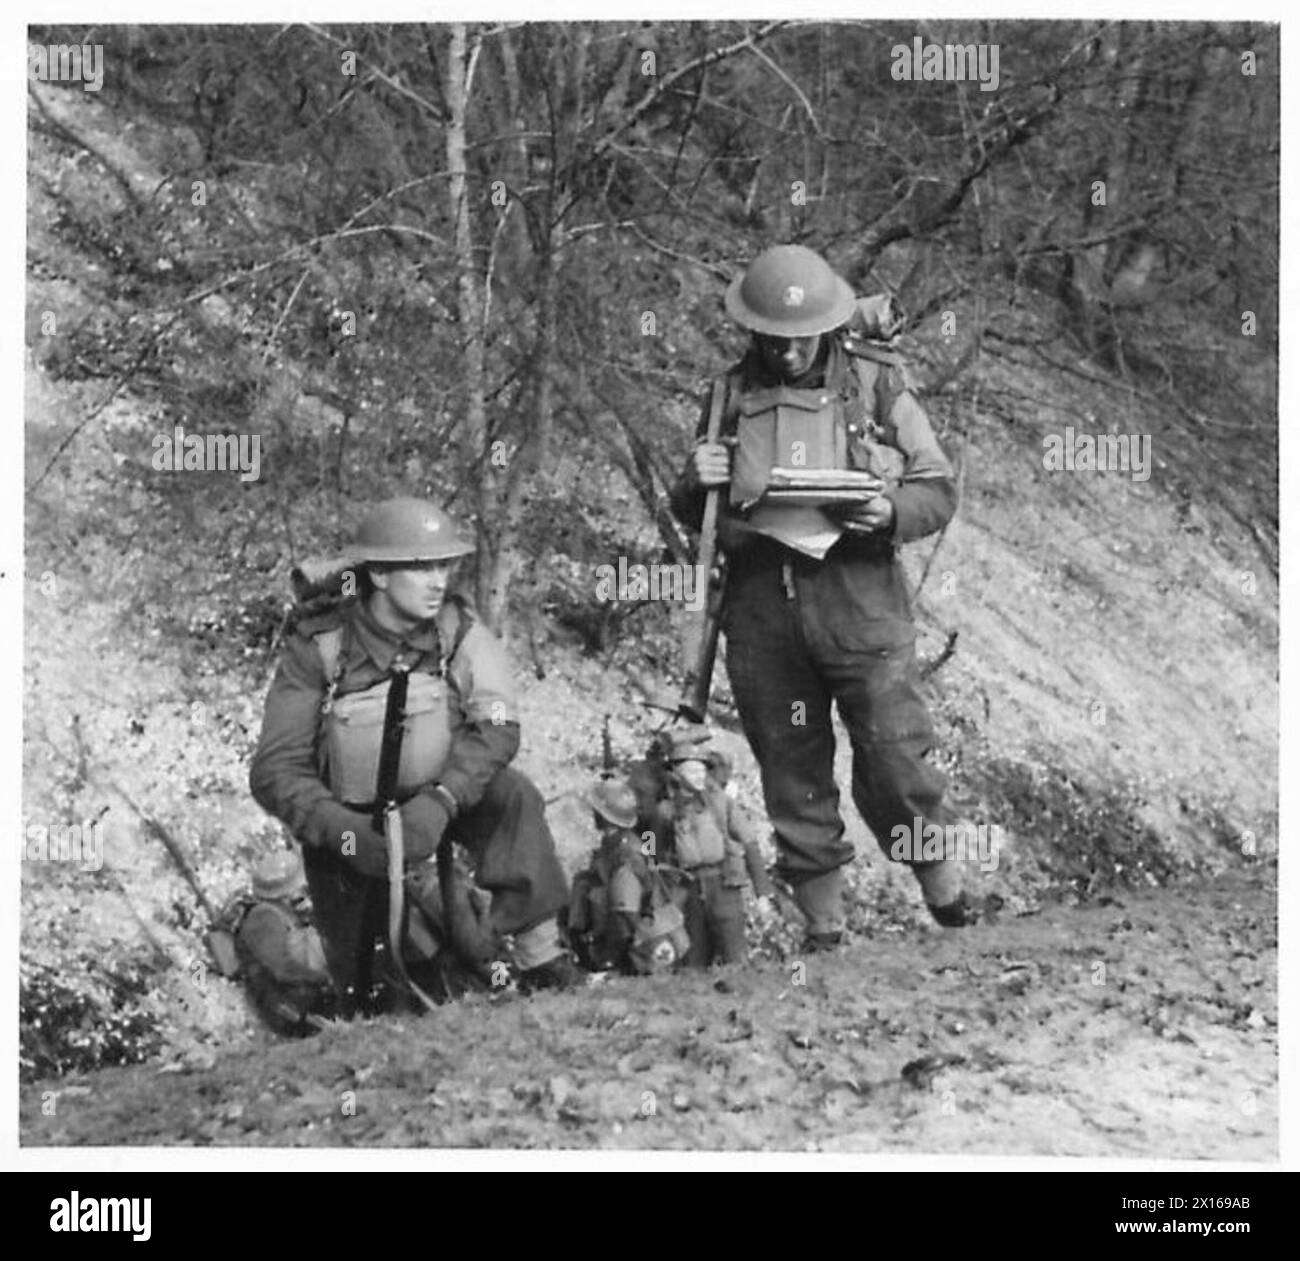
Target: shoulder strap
[454,621]
[728,382]
[876,387]
[329,644]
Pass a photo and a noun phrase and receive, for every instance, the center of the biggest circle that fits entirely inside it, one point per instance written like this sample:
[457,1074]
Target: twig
[118,386]
[54,127]
[398,87]
[284,315]
[169,842]
[794,87]
[948,649]
[710,58]
[155,942]
[172,845]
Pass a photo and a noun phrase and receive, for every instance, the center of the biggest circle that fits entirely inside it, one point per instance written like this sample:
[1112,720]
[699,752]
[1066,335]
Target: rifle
[694,703]
[608,765]
[387,818]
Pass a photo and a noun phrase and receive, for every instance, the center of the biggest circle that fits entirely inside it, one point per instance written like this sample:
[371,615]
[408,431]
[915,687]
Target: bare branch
[708,59]
[794,87]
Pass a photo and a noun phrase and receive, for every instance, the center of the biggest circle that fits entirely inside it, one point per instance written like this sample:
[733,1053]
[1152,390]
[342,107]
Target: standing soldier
[817,609]
[327,717]
[707,836]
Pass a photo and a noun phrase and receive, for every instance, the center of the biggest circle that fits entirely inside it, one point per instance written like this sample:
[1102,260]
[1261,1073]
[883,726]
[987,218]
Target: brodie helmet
[614,801]
[277,876]
[409,529]
[789,291]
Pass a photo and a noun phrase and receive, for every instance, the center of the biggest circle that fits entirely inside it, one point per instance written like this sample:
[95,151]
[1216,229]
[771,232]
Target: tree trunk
[476,455]
[534,451]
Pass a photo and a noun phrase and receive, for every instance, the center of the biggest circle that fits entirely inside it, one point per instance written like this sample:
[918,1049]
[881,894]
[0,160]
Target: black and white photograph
[638,587]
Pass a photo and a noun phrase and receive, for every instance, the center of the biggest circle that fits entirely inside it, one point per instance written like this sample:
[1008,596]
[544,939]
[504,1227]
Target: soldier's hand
[424,820]
[711,464]
[424,889]
[875,514]
[348,834]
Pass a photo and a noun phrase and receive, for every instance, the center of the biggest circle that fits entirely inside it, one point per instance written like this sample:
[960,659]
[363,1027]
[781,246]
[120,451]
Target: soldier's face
[412,594]
[788,357]
[692,773]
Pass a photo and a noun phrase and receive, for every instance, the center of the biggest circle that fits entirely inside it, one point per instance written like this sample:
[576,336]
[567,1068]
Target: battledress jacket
[678,817]
[285,776]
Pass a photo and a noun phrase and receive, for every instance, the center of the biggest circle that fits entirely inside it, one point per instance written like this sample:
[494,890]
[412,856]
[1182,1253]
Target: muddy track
[1138,1026]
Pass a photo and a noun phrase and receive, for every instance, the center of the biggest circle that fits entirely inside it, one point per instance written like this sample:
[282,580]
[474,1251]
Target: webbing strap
[390,748]
[396,902]
[389,817]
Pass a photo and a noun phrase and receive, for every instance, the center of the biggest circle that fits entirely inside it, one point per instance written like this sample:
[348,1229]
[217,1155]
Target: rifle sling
[390,750]
[396,903]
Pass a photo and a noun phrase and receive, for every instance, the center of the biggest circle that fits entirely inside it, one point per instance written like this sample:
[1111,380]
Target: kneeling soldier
[318,761]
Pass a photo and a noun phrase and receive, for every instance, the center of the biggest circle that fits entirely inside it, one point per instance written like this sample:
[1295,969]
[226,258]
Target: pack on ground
[268,941]
[626,913]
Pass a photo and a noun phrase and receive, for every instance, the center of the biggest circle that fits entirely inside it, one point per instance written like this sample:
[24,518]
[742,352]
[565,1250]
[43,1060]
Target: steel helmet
[789,291]
[409,529]
[278,876]
[614,801]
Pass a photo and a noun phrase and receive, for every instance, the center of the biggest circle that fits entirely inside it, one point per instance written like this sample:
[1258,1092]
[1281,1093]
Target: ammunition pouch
[784,428]
[354,731]
[834,427]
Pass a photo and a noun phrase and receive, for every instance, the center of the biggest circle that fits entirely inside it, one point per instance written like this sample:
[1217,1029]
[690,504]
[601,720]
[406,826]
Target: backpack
[602,939]
[661,941]
[274,948]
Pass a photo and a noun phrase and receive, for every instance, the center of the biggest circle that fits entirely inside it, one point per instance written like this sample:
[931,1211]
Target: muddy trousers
[715,920]
[803,636]
[513,854]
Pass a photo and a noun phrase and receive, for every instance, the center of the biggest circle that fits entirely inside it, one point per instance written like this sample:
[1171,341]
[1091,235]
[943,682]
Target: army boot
[543,962]
[558,973]
[821,898]
[946,900]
